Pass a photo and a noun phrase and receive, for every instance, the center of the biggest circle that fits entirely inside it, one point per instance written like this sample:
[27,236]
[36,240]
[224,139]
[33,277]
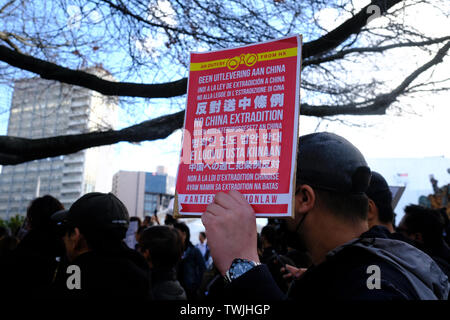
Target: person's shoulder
[351,275]
[371,276]
[168,290]
[195,251]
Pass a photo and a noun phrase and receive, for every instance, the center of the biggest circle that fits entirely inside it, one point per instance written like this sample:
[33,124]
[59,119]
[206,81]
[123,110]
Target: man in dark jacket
[192,266]
[425,221]
[162,248]
[425,228]
[271,256]
[29,270]
[101,265]
[331,220]
[380,211]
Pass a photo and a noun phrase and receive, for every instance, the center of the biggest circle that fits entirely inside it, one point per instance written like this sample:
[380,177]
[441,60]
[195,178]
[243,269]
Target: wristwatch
[238,268]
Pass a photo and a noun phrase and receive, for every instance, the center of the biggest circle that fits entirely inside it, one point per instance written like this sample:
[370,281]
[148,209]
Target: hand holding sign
[230,224]
[241,127]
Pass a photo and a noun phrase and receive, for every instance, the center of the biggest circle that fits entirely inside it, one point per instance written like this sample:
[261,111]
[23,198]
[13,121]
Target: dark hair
[381,195]
[203,233]
[259,241]
[7,245]
[141,229]
[163,244]
[428,222]
[349,206]
[3,232]
[270,234]
[40,211]
[136,219]
[385,213]
[184,228]
[445,218]
[169,220]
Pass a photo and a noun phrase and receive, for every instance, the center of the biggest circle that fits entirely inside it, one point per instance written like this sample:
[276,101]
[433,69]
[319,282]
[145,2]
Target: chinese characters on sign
[241,127]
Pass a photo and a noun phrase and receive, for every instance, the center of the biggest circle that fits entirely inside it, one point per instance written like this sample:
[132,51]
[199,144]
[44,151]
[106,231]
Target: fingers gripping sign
[230,225]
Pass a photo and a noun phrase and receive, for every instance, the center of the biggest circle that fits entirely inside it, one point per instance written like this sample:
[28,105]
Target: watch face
[239,267]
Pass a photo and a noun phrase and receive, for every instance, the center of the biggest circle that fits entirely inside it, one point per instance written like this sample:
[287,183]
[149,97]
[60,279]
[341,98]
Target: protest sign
[397,192]
[241,128]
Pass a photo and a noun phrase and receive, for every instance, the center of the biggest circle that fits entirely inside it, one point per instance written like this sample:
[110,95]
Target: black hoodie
[119,273]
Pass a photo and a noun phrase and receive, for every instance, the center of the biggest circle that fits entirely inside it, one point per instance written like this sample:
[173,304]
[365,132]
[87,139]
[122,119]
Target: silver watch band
[238,268]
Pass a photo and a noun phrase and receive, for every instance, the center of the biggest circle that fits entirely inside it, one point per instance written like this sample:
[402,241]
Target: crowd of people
[342,233]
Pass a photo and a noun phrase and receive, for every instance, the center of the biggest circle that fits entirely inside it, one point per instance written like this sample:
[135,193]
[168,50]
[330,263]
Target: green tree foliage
[13,223]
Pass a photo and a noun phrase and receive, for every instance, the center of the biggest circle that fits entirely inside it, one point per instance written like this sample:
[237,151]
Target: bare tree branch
[380,49]
[6,5]
[4,37]
[342,98]
[17,150]
[438,58]
[124,10]
[51,71]
[352,26]
[378,105]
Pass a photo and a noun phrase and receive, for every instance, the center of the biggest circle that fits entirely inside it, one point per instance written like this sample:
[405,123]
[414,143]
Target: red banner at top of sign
[241,127]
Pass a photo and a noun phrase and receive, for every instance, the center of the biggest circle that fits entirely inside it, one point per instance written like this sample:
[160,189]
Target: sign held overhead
[241,128]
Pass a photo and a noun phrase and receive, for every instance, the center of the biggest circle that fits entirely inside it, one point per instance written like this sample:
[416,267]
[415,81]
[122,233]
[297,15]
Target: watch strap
[238,268]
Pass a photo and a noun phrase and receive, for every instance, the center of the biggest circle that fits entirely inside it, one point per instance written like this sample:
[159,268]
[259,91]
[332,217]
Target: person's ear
[148,257]
[75,235]
[418,237]
[77,239]
[305,199]
[372,213]
[146,254]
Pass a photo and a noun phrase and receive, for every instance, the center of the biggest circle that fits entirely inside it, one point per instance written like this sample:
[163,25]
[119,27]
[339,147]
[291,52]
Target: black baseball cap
[95,211]
[59,216]
[378,189]
[380,193]
[330,162]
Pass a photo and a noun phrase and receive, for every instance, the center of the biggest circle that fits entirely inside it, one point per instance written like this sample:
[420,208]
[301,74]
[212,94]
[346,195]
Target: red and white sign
[241,128]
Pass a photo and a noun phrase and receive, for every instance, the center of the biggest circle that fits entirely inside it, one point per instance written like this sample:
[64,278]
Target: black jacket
[29,270]
[440,255]
[274,262]
[406,274]
[190,271]
[120,273]
[165,285]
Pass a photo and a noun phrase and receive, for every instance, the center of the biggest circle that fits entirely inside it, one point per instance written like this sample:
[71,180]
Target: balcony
[75,192]
[77,122]
[78,112]
[80,102]
[78,179]
[73,169]
[74,159]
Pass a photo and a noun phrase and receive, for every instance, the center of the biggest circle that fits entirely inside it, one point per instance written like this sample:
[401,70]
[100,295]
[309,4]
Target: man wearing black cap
[94,229]
[331,219]
[380,203]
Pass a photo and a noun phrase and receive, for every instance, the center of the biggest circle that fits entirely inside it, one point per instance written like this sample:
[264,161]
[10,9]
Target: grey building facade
[42,108]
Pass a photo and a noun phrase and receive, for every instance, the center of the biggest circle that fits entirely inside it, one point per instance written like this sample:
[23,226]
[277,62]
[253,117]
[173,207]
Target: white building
[144,192]
[42,108]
